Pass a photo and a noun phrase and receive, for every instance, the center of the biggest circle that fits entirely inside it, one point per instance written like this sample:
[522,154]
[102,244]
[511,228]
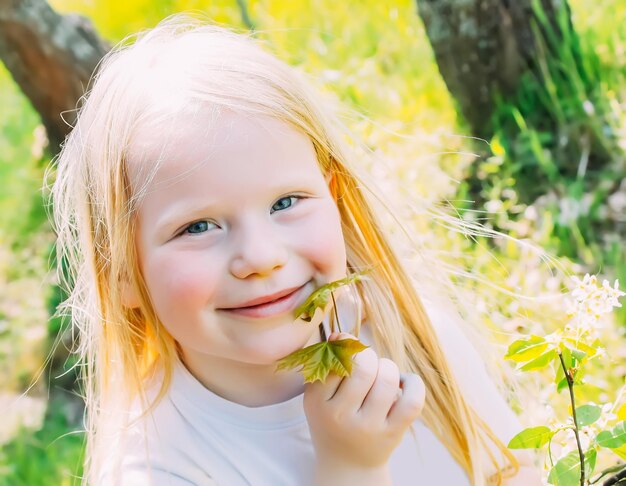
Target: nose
[258,250]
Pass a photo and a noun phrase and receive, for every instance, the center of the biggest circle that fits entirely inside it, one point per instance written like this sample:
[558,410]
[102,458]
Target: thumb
[336,336]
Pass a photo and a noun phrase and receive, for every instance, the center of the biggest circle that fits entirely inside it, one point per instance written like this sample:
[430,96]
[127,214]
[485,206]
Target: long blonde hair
[182,63]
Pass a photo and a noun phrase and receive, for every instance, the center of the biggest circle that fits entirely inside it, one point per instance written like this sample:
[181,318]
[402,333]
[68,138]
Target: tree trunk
[519,72]
[51,57]
[482,48]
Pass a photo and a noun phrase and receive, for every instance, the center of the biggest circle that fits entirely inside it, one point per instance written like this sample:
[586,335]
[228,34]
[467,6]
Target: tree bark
[482,48]
[51,57]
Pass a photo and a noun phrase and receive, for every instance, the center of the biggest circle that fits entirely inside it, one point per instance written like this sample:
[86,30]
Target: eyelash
[294,196]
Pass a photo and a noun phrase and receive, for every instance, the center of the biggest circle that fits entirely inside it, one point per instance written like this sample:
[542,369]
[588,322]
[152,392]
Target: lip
[271,305]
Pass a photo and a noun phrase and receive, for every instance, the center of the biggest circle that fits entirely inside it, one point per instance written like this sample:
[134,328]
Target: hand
[357,422]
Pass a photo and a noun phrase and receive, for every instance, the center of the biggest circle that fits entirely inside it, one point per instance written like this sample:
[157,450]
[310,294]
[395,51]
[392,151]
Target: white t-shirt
[195,437]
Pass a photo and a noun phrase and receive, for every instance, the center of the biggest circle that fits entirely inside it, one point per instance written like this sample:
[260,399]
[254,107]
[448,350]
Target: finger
[335,336]
[323,391]
[333,380]
[383,393]
[410,404]
[353,389]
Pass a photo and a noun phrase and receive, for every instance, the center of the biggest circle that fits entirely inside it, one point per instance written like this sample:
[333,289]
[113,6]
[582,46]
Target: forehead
[232,148]
[177,146]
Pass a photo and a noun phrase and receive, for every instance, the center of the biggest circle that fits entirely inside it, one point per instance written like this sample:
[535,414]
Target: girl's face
[237,212]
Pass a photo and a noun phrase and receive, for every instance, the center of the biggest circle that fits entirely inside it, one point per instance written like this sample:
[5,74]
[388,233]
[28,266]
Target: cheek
[179,282]
[324,244]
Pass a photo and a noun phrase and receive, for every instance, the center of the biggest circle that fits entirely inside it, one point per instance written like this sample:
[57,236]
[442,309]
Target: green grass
[559,149]
[50,456]
[21,164]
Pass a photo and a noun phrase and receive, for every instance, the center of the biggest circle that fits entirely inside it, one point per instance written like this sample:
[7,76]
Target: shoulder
[152,448]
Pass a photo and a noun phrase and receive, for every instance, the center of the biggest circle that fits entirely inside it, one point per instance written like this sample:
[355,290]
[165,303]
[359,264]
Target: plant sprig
[317,361]
[321,297]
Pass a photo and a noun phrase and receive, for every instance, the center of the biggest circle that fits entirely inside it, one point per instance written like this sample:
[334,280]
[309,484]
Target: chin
[276,348]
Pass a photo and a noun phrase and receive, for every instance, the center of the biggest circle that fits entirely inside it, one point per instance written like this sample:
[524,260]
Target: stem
[570,385]
[322,332]
[245,17]
[550,452]
[332,295]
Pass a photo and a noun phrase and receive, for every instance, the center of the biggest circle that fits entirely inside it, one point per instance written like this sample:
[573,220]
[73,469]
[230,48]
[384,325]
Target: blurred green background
[526,180]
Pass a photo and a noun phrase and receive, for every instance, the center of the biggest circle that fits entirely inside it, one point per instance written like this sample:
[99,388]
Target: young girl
[203,194]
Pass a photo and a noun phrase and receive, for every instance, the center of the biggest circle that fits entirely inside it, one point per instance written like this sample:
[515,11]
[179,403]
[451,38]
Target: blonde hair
[183,63]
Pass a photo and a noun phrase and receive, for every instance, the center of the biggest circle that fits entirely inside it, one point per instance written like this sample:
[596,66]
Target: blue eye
[280,204]
[197,227]
[203,226]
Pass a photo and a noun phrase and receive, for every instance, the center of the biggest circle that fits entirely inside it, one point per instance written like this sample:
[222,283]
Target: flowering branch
[569,349]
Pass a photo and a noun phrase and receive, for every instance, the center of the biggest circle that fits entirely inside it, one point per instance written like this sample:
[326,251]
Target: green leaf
[318,360]
[570,352]
[559,376]
[531,438]
[526,349]
[541,362]
[562,381]
[566,354]
[322,296]
[614,438]
[566,472]
[561,384]
[590,462]
[620,452]
[579,349]
[587,414]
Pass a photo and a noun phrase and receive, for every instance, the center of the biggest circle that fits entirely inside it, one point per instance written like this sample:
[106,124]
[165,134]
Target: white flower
[590,302]
[585,287]
[600,300]
[607,416]
[613,293]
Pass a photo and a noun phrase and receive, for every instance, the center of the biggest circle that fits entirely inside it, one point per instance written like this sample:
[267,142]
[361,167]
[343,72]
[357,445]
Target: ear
[130,296]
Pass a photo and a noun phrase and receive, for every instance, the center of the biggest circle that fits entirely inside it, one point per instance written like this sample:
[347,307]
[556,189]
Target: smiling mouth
[276,307]
[266,303]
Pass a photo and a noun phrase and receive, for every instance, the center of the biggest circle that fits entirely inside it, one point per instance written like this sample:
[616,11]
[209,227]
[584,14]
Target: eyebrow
[177,212]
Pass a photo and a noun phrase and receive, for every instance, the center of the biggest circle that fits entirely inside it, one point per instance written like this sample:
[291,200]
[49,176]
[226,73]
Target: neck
[248,384]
